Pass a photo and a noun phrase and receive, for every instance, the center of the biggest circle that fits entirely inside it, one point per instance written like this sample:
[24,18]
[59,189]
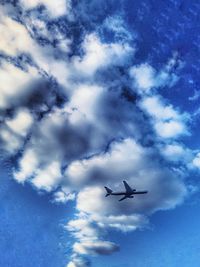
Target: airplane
[127,194]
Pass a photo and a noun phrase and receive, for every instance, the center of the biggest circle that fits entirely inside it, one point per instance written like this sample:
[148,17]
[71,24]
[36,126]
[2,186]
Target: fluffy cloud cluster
[168,122]
[86,119]
[55,8]
[15,130]
[146,77]
[14,84]
[142,169]
[98,55]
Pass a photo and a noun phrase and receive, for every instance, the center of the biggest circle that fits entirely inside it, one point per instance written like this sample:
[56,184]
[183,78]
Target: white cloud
[124,160]
[174,152]
[61,136]
[167,121]
[21,123]
[81,128]
[155,106]
[80,171]
[55,8]
[89,236]
[14,35]
[98,55]
[48,178]
[170,129]
[85,98]
[14,130]
[145,76]
[78,262]
[16,40]
[15,84]
[95,248]
[124,223]
[64,195]
[196,161]
[27,165]
[83,229]
[177,153]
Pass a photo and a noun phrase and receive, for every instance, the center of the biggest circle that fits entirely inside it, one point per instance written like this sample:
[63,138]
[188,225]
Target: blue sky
[93,93]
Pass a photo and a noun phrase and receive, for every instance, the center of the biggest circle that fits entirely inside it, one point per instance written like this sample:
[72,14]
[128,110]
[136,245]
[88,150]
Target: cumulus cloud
[79,129]
[15,85]
[78,262]
[130,160]
[173,152]
[27,165]
[99,55]
[15,130]
[124,223]
[146,78]
[15,38]
[168,122]
[64,195]
[89,233]
[55,8]
[17,41]
[66,137]
[138,166]
[48,177]
[97,248]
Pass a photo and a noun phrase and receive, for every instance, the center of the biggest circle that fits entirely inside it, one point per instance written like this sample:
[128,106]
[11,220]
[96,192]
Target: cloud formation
[78,114]
[168,122]
[15,130]
[55,9]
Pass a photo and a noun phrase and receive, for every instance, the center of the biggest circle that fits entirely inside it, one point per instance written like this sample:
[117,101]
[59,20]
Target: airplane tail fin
[108,190]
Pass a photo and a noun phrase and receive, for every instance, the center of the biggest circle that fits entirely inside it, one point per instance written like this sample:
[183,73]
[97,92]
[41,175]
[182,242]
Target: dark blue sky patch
[32,232]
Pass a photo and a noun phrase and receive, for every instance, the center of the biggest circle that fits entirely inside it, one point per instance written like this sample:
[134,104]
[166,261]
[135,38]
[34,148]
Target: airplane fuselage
[128,193]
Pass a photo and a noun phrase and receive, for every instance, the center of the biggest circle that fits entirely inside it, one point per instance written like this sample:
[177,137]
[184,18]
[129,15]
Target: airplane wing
[127,187]
[123,198]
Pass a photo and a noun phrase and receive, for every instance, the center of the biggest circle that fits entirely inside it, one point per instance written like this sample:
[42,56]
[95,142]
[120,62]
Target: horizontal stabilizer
[108,190]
